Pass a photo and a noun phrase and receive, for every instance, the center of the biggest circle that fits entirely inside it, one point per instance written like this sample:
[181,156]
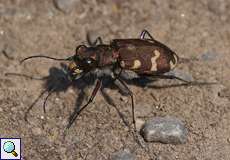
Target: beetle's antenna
[42,56]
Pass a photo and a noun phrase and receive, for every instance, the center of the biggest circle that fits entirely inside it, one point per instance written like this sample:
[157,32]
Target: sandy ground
[194,29]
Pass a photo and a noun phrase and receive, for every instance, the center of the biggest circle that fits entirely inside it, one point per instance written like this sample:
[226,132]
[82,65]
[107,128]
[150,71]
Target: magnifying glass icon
[9,147]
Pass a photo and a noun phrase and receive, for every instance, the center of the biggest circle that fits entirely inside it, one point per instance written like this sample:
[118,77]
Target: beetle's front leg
[76,113]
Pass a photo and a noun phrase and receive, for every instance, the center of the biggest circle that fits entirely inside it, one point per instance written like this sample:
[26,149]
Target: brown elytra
[145,56]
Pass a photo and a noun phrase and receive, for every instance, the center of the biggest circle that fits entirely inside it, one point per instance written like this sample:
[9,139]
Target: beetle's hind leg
[182,80]
[144,33]
[170,77]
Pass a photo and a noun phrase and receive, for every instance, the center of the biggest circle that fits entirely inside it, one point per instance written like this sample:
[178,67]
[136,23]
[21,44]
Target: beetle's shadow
[58,81]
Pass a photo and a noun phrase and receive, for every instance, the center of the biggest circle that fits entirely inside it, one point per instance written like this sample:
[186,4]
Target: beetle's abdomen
[147,59]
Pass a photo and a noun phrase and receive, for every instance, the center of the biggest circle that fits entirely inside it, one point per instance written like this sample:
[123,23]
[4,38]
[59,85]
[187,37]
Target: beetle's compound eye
[173,61]
[88,63]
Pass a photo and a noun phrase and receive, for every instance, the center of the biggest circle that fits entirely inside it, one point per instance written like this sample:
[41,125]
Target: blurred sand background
[194,29]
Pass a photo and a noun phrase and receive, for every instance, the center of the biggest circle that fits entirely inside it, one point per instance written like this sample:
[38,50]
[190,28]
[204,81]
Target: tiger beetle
[144,55]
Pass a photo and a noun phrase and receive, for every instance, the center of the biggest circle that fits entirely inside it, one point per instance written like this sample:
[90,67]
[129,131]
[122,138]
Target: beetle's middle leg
[143,34]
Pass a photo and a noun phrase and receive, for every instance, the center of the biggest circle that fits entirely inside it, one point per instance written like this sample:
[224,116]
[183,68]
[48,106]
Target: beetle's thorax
[104,55]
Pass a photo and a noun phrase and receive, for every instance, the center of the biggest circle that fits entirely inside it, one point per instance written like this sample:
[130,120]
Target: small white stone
[1,32]
[28,17]
[182,15]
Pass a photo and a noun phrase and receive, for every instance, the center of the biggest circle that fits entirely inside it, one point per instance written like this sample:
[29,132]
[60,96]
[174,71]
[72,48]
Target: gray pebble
[165,130]
[66,5]
[123,155]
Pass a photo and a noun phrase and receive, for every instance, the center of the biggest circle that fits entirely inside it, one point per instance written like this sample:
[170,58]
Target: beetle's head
[82,62]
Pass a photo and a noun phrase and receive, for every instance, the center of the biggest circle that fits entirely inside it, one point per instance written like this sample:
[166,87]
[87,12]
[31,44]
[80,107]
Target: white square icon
[10,149]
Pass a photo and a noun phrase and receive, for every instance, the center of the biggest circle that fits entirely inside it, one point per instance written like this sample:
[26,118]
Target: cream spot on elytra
[136,64]
[173,65]
[153,60]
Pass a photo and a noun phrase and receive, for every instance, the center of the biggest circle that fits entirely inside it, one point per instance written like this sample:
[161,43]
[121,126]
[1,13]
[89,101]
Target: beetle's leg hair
[76,113]
[143,34]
